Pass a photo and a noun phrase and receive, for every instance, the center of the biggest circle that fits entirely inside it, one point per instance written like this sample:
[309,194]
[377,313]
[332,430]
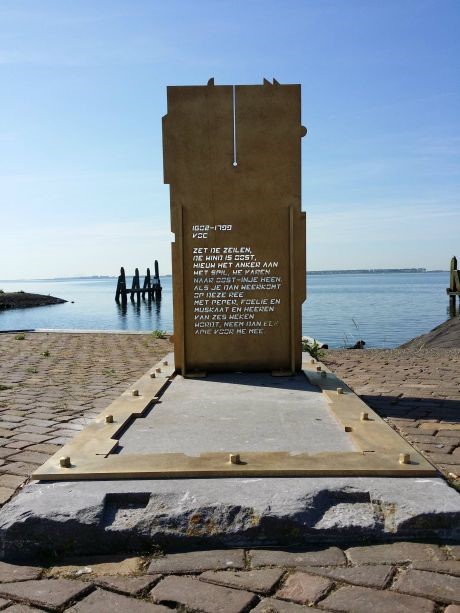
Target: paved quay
[52,384]
[416,391]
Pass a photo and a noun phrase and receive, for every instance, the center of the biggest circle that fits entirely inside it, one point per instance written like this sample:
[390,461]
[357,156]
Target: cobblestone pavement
[386,578]
[417,392]
[52,384]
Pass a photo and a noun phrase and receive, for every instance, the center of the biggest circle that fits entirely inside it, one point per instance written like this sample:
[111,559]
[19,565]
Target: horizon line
[325,271]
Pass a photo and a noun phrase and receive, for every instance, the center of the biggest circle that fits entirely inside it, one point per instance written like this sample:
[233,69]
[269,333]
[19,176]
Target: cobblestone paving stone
[199,595]
[304,589]
[331,556]
[395,553]
[363,600]
[51,385]
[198,561]
[131,586]
[100,600]
[273,605]
[261,581]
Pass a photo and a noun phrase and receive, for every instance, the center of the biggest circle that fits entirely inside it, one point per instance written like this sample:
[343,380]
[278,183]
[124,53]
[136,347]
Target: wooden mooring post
[454,289]
[151,287]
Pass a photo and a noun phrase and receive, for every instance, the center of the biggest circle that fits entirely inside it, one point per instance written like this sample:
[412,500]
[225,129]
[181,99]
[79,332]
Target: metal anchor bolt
[165,362]
[404,458]
[340,390]
[109,419]
[364,416]
[65,462]
[234,458]
[152,375]
[135,392]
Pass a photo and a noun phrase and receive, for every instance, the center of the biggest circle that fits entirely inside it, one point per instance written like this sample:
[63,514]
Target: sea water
[383,309]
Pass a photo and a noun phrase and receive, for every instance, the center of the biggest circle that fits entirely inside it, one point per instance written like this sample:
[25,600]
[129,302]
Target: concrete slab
[238,411]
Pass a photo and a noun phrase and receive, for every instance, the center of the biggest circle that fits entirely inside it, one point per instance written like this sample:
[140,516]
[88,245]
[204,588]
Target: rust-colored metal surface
[232,160]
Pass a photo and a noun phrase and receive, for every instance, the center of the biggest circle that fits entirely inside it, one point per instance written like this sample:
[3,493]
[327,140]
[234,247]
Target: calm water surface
[385,310]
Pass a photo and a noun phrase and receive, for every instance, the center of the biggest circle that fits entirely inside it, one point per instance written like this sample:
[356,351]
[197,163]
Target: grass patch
[313,349]
[20,337]
[4,387]
[46,354]
[159,334]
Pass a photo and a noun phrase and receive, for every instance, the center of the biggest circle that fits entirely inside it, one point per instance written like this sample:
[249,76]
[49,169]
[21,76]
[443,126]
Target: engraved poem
[235,290]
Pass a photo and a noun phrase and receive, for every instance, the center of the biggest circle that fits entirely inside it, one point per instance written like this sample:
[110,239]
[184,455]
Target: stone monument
[236,458]
[232,158]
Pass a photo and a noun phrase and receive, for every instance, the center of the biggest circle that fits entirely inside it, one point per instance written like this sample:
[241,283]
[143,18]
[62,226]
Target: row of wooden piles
[151,287]
[454,290]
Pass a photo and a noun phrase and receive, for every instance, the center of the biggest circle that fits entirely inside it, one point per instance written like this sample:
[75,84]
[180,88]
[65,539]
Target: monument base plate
[170,427]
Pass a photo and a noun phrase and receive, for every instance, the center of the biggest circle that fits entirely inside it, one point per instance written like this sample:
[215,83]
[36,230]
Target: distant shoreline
[371,271]
[357,271]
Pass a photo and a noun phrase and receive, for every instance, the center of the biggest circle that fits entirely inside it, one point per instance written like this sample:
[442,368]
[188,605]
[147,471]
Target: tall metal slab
[232,158]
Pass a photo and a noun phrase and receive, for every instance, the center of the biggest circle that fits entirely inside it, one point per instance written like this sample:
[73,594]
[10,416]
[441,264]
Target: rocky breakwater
[24,300]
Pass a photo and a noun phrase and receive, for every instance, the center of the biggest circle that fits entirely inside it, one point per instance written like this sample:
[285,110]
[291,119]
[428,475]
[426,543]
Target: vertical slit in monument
[291,283]
[235,161]
[182,298]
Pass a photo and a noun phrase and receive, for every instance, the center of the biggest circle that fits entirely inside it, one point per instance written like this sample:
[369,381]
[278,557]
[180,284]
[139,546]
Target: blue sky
[83,90]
